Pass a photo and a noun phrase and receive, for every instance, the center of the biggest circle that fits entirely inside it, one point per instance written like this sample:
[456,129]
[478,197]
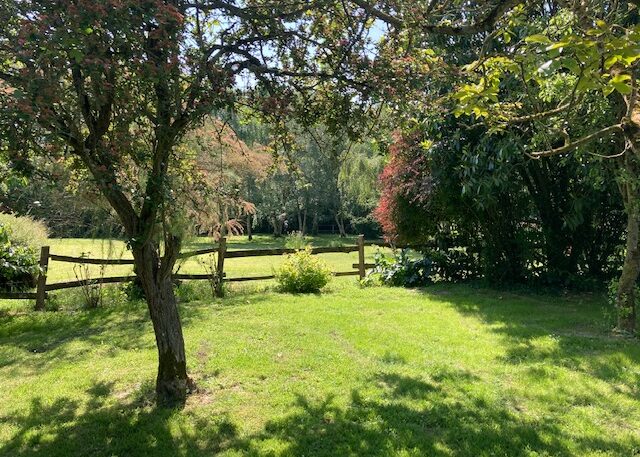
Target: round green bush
[301,272]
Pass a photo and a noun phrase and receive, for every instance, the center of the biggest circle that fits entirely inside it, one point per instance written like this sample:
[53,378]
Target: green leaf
[623,88]
[559,45]
[538,38]
[610,61]
[76,55]
[620,78]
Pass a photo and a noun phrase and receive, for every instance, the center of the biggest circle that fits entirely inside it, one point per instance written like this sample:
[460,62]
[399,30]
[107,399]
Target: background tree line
[329,184]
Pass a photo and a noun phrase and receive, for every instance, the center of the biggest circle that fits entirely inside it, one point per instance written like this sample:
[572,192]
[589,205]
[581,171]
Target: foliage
[296,240]
[18,263]
[218,170]
[62,198]
[461,182]
[481,208]
[133,290]
[320,179]
[402,270]
[25,230]
[302,272]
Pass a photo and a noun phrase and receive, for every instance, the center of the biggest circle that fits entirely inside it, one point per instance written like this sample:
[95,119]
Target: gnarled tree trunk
[155,274]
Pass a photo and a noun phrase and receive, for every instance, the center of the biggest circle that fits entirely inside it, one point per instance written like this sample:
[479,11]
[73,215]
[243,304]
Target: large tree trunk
[628,283]
[626,294]
[249,227]
[172,382]
[630,189]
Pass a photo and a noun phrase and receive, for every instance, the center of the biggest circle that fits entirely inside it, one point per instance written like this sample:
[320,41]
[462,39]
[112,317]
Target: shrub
[25,231]
[18,263]
[296,240]
[400,270]
[302,273]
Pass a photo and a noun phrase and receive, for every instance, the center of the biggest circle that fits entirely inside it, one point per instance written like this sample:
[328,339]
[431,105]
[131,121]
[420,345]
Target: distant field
[62,271]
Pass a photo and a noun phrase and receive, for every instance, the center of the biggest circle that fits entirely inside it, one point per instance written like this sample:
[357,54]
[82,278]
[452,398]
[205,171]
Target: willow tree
[116,84]
[540,68]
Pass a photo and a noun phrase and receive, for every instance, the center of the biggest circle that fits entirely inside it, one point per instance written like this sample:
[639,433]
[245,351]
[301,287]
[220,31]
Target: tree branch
[603,133]
[481,25]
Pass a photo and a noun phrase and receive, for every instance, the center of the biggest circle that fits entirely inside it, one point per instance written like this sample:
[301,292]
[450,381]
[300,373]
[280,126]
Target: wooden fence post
[222,249]
[361,270]
[41,293]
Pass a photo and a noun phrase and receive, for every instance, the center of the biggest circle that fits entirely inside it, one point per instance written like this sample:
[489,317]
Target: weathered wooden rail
[42,287]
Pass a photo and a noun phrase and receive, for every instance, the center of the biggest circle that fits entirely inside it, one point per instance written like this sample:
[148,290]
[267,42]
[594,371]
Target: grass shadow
[102,426]
[561,331]
[416,418]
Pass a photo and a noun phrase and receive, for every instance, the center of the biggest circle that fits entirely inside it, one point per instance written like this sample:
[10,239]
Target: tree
[218,169]
[117,84]
[565,57]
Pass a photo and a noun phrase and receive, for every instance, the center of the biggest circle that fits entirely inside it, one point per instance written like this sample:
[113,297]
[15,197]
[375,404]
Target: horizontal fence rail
[221,250]
[87,282]
[18,295]
[86,260]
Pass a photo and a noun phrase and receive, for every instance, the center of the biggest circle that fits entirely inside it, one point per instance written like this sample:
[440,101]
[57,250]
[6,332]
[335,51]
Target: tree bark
[626,294]
[627,285]
[172,382]
[277,225]
[340,223]
[304,222]
[630,189]
[249,228]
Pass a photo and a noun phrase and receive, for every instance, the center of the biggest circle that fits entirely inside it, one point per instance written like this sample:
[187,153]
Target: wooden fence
[42,287]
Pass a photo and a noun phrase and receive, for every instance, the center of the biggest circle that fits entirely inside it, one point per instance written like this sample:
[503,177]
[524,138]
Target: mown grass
[447,370]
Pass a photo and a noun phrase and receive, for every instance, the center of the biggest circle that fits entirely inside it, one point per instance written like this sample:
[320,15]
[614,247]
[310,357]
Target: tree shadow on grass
[561,331]
[413,417]
[101,426]
[30,342]
[392,413]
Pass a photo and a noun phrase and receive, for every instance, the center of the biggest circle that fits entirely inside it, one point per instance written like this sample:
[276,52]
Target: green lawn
[450,370]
